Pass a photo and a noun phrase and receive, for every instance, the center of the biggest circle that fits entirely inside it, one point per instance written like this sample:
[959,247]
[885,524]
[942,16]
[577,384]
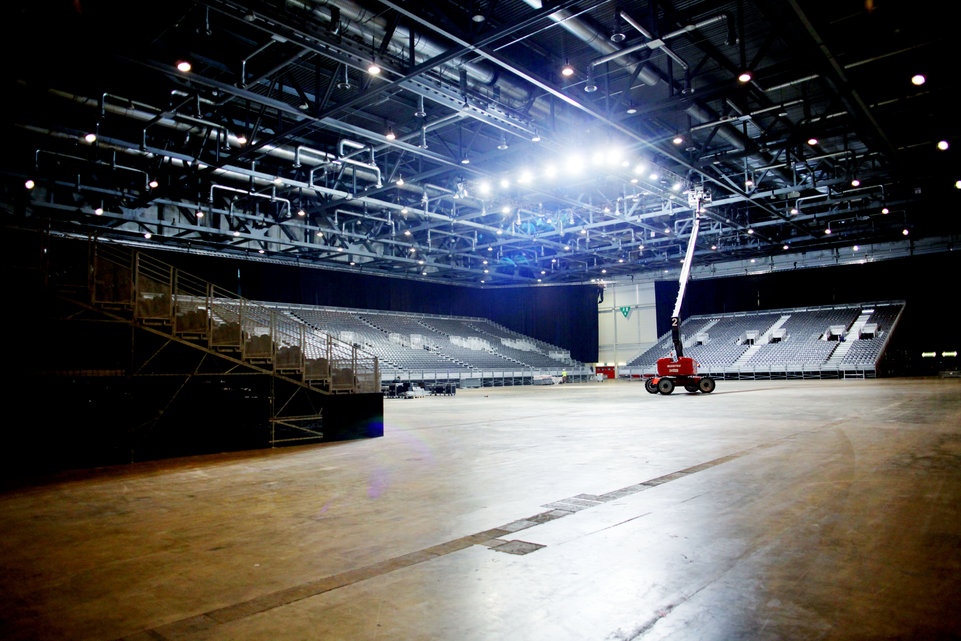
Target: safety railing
[184,305]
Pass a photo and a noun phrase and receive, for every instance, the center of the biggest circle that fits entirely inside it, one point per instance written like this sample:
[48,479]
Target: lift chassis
[682,372]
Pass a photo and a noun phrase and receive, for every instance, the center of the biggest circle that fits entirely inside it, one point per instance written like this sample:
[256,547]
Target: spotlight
[590,86]
[200,214]
[918,79]
[794,211]
[885,210]
[812,141]
[260,251]
[750,232]
[301,212]
[98,211]
[390,135]
[567,70]
[373,69]
[320,234]
[241,140]
[502,145]
[153,184]
[478,17]
[856,248]
[236,234]
[943,145]
[184,66]
[678,140]
[465,160]
[827,231]
[536,137]
[91,138]
[29,184]
[905,231]
[400,181]
[631,109]
[855,183]
[744,77]
[505,183]
[148,235]
[785,247]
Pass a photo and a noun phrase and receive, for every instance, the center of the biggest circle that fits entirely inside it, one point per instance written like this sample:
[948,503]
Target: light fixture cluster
[575,165]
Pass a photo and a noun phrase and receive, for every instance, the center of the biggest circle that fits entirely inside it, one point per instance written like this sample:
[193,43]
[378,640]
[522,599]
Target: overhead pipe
[271,197]
[648,74]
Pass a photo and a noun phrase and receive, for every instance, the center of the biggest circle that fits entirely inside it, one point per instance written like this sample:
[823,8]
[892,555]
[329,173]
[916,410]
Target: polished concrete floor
[767,510]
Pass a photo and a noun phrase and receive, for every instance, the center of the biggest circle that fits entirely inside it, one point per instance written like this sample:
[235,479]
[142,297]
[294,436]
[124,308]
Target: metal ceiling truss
[273,145]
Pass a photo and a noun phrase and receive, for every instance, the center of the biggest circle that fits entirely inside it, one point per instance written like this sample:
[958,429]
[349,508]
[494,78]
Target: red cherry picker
[682,371]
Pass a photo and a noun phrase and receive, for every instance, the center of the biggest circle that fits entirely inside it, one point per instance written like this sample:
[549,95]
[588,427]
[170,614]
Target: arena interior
[480,320]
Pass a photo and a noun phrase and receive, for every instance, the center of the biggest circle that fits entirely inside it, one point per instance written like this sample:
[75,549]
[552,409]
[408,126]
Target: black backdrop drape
[563,315]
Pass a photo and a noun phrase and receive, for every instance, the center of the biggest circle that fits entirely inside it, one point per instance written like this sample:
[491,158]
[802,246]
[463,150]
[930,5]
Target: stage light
[567,70]
[885,210]
[745,76]
[200,214]
[148,235]
[905,231]
[153,184]
[812,141]
[855,183]
[301,212]
[241,140]
[918,79]
[236,234]
[373,68]
[678,140]
[184,66]
[29,184]
[91,138]
[943,145]
[390,135]
[98,211]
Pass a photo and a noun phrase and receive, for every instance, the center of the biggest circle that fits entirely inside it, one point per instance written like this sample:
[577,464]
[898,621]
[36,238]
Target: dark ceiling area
[259,130]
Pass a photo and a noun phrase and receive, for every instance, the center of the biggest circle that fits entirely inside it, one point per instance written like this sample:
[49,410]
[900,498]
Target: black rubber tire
[665,386]
[692,388]
[650,386]
[706,384]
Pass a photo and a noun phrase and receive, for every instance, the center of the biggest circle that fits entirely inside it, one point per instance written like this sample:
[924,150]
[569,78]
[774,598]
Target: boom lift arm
[696,198]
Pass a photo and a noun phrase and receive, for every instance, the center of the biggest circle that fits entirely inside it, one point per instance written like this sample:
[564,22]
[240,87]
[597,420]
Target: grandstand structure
[133,337]
[836,341]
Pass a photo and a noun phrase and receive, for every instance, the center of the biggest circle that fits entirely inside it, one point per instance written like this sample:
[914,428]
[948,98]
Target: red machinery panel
[681,367]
